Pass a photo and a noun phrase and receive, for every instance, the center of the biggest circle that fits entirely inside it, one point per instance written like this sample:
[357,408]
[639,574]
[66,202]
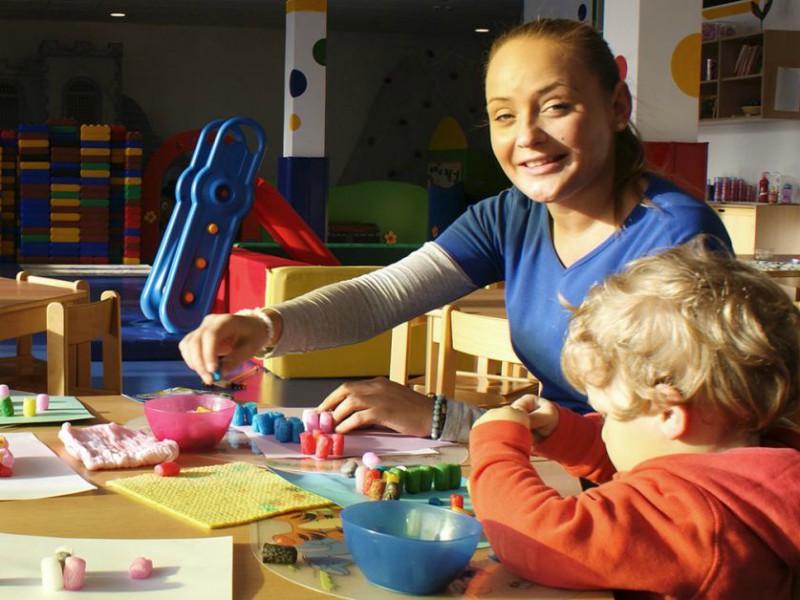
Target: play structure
[212,196]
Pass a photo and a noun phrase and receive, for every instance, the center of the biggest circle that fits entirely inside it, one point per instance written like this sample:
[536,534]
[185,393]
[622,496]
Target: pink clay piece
[74,572]
[141,568]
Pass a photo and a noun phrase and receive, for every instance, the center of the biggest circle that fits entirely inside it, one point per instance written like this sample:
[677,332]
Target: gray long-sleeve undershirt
[358,309]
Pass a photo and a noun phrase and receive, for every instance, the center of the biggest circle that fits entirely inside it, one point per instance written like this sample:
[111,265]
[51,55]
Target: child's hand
[505,413]
[542,414]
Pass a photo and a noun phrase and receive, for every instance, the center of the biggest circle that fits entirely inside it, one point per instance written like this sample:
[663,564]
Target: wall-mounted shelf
[740,73]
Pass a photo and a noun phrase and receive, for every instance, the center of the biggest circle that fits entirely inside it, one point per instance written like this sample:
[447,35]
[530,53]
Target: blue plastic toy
[212,196]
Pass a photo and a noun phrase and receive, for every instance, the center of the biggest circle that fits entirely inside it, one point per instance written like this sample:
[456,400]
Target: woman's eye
[557,107]
[503,117]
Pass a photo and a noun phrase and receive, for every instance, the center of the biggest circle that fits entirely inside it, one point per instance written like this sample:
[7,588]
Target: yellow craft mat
[221,495]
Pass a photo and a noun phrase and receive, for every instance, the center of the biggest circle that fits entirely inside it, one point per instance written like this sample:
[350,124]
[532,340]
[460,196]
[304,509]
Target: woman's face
[552,126]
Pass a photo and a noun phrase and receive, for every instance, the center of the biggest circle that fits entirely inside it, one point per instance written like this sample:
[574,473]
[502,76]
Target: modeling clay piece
[278,554]
[348,469]
[62,554]
[168,469]
[42,403]
[338,444]
[6,406]
[310,419]
[141,568]
[6,459]
[112,446]
[74,573]
[326,422]
[324,446]
[308,444]
[29,407]
[52,576]
[371,459]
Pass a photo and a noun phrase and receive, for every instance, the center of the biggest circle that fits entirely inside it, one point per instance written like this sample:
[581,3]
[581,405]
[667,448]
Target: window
[82,101]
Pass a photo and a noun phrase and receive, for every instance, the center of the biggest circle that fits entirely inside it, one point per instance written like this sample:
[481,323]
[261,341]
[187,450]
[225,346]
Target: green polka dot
[319,51]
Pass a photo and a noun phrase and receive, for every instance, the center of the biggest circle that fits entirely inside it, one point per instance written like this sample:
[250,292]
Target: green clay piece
[7,407]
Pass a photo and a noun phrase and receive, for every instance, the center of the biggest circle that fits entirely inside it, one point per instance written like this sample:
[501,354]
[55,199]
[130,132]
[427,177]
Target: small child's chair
[499,376]
[71,325]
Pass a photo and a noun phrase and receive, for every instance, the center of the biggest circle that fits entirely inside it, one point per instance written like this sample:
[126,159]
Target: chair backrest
[77,285]
[68,327]
[499,373]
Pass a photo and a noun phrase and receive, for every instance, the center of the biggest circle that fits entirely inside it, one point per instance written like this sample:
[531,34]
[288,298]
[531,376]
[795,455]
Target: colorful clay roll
[324,446]
[42,403]
[338,444]
[297,427]
[283,431]
[310,419]
[29,407]
[74,573]
[308,445]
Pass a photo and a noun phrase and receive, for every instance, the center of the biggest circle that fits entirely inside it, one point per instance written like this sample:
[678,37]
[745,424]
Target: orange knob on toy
[188,297]
[212,228]
[200,262]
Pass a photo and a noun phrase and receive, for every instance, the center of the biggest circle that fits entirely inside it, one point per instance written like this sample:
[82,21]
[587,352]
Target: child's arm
[579,542]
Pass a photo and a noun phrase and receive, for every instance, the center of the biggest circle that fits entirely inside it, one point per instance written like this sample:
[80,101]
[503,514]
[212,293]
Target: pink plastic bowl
[175,418]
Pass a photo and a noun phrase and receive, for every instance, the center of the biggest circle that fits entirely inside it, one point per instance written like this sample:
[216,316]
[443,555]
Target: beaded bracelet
[260,314]
[439,415]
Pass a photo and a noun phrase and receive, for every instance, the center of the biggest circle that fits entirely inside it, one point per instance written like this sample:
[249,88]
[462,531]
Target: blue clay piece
[252,411]
[240,416]
[297,428]
[435,501]
[283,430]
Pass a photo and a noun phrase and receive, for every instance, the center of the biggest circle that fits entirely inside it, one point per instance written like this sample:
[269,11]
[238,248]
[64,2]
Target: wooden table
[23,312]
[102,513]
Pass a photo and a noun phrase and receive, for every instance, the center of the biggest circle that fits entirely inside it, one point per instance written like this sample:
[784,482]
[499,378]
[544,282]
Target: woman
[580,208]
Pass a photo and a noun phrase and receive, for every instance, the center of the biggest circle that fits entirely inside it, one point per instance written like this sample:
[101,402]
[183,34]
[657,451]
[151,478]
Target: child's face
[630,441]
[552,126]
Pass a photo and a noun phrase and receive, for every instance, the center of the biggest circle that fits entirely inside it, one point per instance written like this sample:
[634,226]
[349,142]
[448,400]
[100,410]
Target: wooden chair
[29,371]
[74,325]
[499,376]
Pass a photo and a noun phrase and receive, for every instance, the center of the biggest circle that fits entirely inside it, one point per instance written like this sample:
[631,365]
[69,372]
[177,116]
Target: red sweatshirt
[722,525]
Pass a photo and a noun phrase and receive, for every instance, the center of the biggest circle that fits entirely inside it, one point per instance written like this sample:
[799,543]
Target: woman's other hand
[380,402]
[224,341]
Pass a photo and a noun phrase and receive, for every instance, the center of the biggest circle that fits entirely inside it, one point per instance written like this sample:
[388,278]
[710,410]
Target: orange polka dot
[294,122]
[212,228]
[686,65]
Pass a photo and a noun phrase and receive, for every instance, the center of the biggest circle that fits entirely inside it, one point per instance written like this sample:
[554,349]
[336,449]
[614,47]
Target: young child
[691,361]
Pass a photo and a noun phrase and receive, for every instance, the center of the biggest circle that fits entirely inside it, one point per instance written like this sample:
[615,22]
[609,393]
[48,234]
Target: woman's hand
[542,415]
[224,341]
[379,402]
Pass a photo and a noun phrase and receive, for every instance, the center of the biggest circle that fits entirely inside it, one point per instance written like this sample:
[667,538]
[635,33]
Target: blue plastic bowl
[409,547]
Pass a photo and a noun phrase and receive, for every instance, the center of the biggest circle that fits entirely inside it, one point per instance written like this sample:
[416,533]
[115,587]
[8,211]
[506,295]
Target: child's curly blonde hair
[722,334]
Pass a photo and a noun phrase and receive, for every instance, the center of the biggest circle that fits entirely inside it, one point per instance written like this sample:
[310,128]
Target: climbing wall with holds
[424,87]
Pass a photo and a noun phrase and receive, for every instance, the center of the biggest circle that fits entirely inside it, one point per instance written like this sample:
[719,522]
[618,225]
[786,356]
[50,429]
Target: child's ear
[674,417]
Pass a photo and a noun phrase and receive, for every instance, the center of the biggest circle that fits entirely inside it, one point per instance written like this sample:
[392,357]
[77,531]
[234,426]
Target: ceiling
[428,17]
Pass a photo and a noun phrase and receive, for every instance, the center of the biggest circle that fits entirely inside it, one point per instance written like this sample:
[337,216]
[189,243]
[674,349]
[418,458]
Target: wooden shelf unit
[769,226]
[724,94]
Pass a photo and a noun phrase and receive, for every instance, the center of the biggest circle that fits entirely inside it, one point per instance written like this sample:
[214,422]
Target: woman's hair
[721,333]
[586,43]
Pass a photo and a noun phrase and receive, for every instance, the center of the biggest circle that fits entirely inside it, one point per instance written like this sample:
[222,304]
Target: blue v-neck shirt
[507,237]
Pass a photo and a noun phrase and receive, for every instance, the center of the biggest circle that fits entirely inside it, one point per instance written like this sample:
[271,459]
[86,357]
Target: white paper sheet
[38,472]
[182,568]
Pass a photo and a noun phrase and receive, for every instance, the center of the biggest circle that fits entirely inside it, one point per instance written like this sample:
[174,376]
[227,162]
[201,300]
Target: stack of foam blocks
[8,201]
[132,192]
[65,187]
[95,193]
[33,147]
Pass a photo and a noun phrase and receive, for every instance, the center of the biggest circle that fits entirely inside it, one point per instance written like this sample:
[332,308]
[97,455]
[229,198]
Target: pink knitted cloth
[112,446]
